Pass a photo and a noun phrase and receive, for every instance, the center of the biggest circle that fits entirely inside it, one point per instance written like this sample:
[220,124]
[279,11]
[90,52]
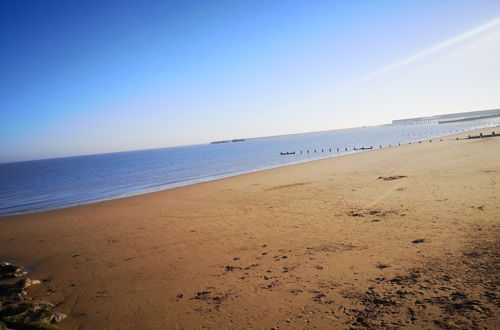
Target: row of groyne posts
[480,136]
[346,149]
[441,132]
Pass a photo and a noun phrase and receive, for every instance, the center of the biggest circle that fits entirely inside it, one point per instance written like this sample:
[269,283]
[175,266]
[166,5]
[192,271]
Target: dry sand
[326,244]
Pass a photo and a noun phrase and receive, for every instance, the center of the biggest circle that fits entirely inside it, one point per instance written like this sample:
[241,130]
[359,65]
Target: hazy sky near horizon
[83,77]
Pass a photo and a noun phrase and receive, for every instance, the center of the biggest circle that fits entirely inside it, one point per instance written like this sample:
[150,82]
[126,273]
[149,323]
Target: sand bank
[335,243]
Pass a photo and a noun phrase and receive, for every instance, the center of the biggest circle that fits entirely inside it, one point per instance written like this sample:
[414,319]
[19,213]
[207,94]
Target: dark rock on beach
[17,310]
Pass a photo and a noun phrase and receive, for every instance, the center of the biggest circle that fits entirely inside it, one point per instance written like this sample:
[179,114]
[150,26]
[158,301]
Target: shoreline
[405,236]
[166,187]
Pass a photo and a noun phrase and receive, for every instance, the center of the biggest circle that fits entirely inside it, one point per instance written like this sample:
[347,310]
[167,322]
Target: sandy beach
[401,237]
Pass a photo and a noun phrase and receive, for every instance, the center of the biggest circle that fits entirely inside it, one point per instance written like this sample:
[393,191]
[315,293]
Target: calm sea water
[55,183]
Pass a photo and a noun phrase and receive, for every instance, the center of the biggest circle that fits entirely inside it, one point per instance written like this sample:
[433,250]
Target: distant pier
[449,118]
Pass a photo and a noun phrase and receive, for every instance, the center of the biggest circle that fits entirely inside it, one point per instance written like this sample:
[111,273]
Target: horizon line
[246,138]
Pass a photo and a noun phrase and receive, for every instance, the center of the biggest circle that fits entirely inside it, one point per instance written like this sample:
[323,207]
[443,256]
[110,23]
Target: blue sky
[83,77]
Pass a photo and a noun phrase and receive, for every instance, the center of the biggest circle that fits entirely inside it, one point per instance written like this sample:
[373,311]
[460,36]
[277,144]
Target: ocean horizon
[48,184]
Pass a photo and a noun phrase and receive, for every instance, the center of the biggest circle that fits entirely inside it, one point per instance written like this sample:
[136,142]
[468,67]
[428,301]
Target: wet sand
[407,236]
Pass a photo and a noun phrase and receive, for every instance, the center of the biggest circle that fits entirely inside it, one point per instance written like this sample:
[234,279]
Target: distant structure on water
[219,142]
[227,141]
[449,118]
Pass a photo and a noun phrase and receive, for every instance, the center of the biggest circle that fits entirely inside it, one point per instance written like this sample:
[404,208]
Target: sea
[39,185]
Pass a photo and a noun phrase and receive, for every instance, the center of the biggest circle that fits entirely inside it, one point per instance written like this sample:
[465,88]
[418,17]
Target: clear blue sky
[83,77]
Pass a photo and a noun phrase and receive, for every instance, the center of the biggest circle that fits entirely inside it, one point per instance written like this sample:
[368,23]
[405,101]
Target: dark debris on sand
[374,213]
[390,178]
[433,295]
[419,240]
[213,299]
